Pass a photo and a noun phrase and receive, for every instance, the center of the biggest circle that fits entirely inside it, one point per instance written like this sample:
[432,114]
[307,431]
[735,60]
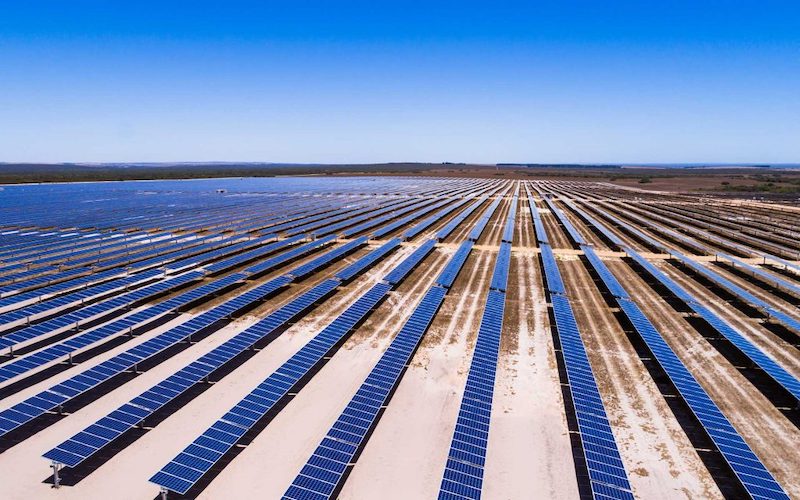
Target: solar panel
[751,472]
[349,432]
[453,267]
[613,285]
[589,410]
[480,225]
[765,276]
[607,475]
[554,283]
[39,308]
[366,261]
[428,222]
[573,233]
[273,262]
[75,318]
[592,221]
[463,473]
[739,291]
[500,274]
[461,217]
[755,478]
[401,271]
[243,257]
[508,230]
[304,270]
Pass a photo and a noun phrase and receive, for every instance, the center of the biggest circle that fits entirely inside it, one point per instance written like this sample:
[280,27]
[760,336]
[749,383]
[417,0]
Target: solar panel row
[453,267]
[480,225]
[85,444]
[28,313]
[765,276]
[458,219]
[75,318]
[463,474]
[739,291]
[429,221]
[409,263]
[304,270]
[322,474]
[368,260]
[573,233]
[756,479]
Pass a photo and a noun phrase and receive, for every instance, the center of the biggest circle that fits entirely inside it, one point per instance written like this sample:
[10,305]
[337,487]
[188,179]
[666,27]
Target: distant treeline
[11,173]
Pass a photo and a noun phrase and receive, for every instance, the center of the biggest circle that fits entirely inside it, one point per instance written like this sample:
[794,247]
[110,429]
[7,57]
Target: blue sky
[314,81]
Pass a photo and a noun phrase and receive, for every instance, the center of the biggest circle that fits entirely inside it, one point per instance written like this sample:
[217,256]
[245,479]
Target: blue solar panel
[74,318]
[454,266]
[461,217]
[348,433]
[123,325]
[245,256]
[553,277]
[755,478]
[614,287]
[500,274]
[401,271]
[480,225]
[463,473]
[273,262]
[508,230]
[366,261]
[573,233]
[765,276]
[428,205]
[593,222]
[605,467]
[304,270]
[425,224]
[739,291]
[589,410]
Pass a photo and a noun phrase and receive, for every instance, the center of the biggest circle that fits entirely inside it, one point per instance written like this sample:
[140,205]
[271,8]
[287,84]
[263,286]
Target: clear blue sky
[328,81]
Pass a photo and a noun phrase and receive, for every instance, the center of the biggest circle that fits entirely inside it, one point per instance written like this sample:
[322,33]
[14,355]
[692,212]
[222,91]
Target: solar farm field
[396,337]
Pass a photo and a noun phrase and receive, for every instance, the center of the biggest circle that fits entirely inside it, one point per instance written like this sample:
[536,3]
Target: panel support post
[56,479]
[163,493]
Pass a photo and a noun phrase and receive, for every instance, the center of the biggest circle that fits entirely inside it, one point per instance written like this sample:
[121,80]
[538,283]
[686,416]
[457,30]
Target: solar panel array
[756,355]
[198,458]
[101,282]
[463,474]
[754,477]
[607,475]
[325,471]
